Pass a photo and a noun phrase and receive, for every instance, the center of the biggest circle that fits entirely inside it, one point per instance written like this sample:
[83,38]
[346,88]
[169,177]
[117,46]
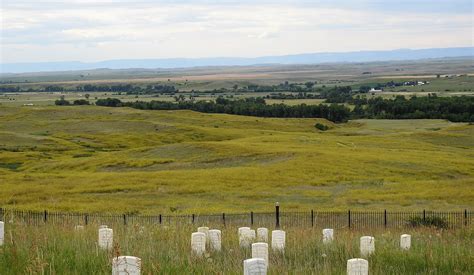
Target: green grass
[48,249]
[97,159]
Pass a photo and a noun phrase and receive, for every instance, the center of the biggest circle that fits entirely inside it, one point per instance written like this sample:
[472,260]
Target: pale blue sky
[38,30]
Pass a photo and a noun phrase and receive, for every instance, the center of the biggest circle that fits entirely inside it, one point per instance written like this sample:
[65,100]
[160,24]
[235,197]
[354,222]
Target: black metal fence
[333,219]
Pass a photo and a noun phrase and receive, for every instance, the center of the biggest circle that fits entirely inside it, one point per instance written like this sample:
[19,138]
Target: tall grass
[49,249]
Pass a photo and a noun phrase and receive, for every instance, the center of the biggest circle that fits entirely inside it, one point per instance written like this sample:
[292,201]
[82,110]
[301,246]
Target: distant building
[373,90]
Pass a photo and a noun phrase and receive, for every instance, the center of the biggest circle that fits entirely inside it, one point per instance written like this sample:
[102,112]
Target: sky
[45,31]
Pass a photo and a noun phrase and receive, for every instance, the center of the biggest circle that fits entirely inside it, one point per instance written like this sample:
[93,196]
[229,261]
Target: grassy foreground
[166,250]
[96,159]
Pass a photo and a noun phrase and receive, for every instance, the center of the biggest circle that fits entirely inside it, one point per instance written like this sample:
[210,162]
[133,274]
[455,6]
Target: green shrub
[437,222]
[321,127]
[81,102]
[62,102]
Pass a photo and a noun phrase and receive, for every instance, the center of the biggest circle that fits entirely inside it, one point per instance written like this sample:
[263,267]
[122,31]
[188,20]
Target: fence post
[385,218]
[424,215]
[223,218]
[193,218]
[465,217]
[349,218]
[124,219]
[160,218]
[251,218]
[312,218]
[45,217]
[277,215]
[1,214]
[86,219]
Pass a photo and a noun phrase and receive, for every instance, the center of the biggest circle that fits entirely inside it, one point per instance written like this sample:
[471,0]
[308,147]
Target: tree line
[248,106]
[456,109]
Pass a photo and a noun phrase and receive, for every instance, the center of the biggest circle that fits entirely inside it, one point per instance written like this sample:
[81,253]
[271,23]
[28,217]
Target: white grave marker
[367,245]
[262,235]
[78,227]
[205,230]
[198,243]
[278,240]
[328,235]
[246,236]
[405,241]
[106,238]
[357,267]
[126,265]
[255,266]
[215,239]
[260,250]
[2,232]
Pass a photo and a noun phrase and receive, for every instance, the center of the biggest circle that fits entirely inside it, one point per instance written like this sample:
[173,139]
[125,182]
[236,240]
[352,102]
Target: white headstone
[205,230]
[278,240]
[251,235]
[241,229]
[357,267]
[106,238]
[198,243]
[328,235]
[262,235]
[79,227]
[255,266]
[215,239]
[367,245]
[246,236]
[405,241]
[260,250]
[2,232]
[126,265]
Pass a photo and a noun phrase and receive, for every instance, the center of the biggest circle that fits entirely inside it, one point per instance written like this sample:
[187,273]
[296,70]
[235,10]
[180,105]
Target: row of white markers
[257,265]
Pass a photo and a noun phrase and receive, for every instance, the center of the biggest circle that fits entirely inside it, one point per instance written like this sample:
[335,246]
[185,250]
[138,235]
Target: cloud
[145,29]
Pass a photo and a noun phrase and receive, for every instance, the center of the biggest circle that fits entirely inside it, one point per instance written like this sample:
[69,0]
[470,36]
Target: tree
[87,96]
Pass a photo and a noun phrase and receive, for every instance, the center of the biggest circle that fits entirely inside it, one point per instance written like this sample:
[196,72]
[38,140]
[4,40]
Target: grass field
[97,159]
[166,250]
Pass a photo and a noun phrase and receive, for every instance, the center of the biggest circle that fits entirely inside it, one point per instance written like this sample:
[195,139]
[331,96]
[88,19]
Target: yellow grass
[125,160]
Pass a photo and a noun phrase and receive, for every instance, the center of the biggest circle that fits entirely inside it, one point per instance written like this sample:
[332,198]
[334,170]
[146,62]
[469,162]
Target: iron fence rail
[331,219]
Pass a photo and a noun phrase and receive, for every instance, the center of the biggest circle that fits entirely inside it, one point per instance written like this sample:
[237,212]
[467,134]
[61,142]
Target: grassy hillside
[125,160]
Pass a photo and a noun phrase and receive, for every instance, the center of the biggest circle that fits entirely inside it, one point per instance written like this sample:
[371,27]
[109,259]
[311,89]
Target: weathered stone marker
[126,265]
[106,238]
[262,235]
[215,239]
[328,235]
[278,240]
[260,250]
[198,243]
[2,232]
[245,236]
[205,230]
[367,245]
[357,267]
[405,241]
[255,266]
[78,227]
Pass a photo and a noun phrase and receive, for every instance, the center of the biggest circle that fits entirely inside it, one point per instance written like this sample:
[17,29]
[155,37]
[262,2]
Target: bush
[437,222]
[62,102]
[81,102]
[321,127]
[109,102]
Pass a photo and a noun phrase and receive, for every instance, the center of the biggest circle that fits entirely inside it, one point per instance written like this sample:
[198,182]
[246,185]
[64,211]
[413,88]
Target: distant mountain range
[310,58]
